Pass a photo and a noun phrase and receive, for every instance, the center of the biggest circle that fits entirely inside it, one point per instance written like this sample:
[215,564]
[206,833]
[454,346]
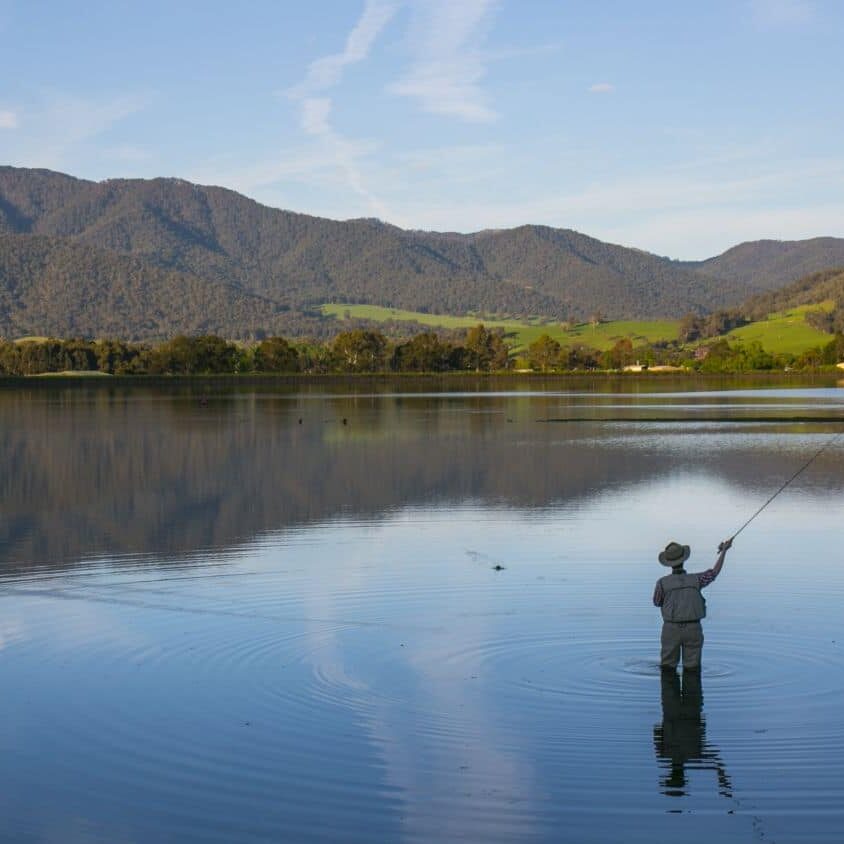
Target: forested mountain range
[145,259]
[770,264]
[58,287]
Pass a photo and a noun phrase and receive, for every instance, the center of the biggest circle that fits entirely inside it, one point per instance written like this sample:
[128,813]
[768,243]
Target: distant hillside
[57,287]
[293,262]
[588,275]
[810,290]
[144,257]
[770,264]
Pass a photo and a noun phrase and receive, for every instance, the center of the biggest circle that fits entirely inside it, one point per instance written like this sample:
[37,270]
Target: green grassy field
[786,332]
[522,334]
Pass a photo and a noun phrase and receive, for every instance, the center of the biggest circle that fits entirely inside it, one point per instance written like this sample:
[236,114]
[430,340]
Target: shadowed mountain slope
[770,264]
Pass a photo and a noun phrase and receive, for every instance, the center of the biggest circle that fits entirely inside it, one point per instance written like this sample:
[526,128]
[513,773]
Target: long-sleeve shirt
[704,578]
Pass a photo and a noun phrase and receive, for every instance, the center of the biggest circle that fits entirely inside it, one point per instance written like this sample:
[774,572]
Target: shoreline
[830,377]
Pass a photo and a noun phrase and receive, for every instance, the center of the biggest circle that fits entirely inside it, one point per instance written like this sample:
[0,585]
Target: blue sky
[680,128]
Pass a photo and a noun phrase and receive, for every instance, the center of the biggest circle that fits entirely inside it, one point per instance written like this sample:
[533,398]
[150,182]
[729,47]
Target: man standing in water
[678,594]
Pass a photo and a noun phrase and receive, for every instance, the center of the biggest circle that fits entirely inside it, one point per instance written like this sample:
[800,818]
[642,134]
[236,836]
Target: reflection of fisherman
[681,738]
[678,594]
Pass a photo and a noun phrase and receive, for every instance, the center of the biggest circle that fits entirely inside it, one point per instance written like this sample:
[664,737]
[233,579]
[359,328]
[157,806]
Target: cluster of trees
[832,322]
[722,356]
[826,355]
[697,327]
[480,349]
[547,355]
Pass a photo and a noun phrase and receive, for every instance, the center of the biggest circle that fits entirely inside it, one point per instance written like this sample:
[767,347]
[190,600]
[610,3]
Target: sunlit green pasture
[521,333]
[786,332]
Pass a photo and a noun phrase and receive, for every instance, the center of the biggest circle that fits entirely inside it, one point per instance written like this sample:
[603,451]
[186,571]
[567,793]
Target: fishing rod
[799,472]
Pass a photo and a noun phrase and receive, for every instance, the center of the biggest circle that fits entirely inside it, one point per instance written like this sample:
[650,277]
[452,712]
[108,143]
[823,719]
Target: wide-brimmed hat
[674,554]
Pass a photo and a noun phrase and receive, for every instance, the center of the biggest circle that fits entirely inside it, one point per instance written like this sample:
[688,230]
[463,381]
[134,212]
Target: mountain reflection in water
[128,471]
[431,623]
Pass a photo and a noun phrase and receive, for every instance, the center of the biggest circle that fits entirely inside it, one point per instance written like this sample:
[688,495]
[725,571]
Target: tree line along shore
[479,349]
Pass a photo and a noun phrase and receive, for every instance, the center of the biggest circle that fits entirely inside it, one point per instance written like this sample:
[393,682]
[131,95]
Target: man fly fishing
[678,593]
[683,606]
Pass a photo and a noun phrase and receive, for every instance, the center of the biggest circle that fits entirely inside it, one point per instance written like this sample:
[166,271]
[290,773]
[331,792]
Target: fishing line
[799,472]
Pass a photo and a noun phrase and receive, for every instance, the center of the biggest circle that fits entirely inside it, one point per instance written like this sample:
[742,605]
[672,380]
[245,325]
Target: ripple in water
[371,679]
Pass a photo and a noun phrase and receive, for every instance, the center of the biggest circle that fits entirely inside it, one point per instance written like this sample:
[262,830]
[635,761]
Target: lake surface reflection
[312,613]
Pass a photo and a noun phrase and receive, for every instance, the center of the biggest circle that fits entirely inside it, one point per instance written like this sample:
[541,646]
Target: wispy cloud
[327,72]
[8,120]
[716,229]
[60,124]
[79,118]
[686,213]
[449,62]
[315,112]
[782,12]
[602,88]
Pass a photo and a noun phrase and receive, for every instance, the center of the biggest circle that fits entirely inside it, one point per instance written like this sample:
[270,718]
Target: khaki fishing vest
[682,600]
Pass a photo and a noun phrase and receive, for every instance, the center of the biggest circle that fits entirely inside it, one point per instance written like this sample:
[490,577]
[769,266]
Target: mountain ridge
[216,239]
[780,261]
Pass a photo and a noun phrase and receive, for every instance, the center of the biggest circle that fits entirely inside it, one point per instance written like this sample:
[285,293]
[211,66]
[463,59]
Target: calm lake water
[228,615]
